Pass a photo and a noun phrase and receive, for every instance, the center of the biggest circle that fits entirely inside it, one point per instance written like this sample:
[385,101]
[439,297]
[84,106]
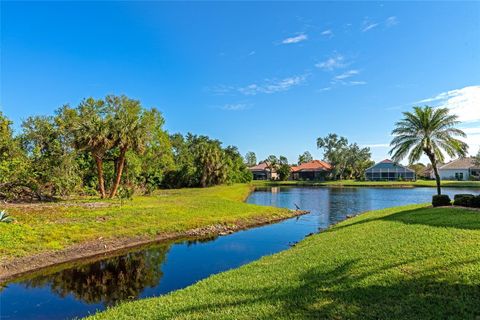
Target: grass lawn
[47,226]
[354,183]
[409,262]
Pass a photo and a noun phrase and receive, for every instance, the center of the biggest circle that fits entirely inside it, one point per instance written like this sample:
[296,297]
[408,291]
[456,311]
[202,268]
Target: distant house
[262,172]
[312,170]
[389,170]
[460,169]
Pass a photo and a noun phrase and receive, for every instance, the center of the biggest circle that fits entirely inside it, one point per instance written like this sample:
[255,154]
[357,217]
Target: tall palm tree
[90,126]
[133,127]
[429,131]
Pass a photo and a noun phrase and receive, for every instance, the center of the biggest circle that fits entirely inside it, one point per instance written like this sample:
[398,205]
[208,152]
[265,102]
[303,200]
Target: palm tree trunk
[101,181]
[118,177]
[433,161]
[437,178]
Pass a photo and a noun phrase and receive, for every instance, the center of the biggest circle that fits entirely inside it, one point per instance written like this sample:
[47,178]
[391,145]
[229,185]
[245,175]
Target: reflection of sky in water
[170,267]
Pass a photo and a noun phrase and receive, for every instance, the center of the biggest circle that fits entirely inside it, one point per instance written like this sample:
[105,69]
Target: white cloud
[357,83]
[346,75]
[325,89]
[464,102]
[296,39]
[377,145]
[391,21]
[337,61]
[273,85]
[327,33]
[235,106]
[368,26]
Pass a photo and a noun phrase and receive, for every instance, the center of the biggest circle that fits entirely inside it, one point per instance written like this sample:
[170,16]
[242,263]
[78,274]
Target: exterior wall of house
[454,174]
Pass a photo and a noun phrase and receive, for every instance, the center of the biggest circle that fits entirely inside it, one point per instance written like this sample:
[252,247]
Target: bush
[475,202]
[464,200]
[441,200]
[467,200]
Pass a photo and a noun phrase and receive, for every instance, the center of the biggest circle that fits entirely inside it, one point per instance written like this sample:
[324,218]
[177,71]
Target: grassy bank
[55,226]
[354,183]
[407,262]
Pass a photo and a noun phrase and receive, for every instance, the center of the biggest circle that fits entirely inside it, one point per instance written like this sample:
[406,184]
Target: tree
[305,157]
[476,158]
[55,168]
[348,160]
[418,167]
[250,159]
[133,127]
[283,169]
[272,164]
[90,127]
[427,131]
[14,164]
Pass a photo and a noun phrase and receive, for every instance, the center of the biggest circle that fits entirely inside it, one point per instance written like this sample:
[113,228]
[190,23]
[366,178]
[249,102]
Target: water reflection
[108,281]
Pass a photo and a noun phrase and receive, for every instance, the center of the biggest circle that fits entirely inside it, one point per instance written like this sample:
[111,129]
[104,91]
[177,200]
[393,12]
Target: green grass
[354,183]
[54,226]
[409,262]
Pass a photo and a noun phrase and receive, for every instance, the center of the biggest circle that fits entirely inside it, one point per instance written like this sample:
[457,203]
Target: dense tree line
[102,145]
[348,159]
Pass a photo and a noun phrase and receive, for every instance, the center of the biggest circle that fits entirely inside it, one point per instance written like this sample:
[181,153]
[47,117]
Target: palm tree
[133,128]
[429,131]
[90,125]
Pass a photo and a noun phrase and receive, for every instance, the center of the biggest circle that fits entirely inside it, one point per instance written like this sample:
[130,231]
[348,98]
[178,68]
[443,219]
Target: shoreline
[104,248]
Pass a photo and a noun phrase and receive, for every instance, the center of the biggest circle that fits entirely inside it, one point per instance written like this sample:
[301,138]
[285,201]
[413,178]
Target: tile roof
[312,166]
[260,167]
[461,163]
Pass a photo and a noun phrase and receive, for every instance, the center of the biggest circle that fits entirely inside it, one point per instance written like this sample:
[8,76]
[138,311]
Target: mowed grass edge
[410,262]
[55,226]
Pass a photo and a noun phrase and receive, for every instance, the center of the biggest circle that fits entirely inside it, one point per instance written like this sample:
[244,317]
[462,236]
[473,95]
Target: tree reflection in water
[108,281]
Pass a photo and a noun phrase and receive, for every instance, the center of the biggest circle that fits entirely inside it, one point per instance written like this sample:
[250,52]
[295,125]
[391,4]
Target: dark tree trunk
[433,161]
[101,181]
[118,177]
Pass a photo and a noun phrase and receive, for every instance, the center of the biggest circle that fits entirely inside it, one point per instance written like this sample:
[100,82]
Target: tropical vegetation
[430,131]
[106,144]
[349,160]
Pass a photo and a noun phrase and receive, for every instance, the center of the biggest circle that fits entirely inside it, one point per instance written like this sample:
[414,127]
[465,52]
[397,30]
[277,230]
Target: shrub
[4,217]
[475,202]
[464,200]
[441,200]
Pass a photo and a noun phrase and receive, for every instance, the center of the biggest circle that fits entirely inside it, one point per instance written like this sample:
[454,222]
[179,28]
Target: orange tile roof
[313,165]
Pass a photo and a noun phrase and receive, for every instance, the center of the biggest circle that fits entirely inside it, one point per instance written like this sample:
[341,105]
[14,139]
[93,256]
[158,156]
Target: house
[389,170]
[262,171]
[312,170]
[460,169]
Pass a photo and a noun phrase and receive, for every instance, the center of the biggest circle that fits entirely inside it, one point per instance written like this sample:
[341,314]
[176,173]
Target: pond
[82,289]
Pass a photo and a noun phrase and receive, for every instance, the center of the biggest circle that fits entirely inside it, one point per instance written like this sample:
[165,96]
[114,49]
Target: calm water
[83,289]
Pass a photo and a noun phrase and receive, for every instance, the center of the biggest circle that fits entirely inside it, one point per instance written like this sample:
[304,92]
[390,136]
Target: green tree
[348,160]
[250,159]
[418,167]
[55,169]
[304,157]
[476,158]
[14,164]
[90,127]
[427,131]
[283,168]
[272,163]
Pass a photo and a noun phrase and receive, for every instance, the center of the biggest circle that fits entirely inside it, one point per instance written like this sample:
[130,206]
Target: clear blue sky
[266,77]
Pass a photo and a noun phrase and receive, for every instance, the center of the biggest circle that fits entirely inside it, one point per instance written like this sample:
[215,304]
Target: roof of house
[314,165]
[260,167]
[388,165]
[461,163]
